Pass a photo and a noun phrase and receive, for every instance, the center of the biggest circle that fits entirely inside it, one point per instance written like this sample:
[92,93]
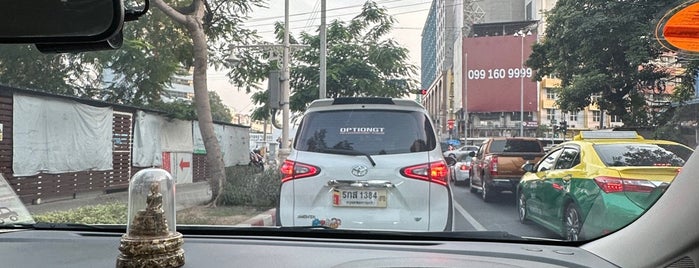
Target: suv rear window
[515,146]
[373,132]
[641,154]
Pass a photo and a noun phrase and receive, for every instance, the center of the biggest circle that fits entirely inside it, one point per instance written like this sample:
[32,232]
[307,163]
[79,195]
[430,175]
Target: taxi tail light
[617,185]
[436,172]
[493,166]
[464,167]
[295,170]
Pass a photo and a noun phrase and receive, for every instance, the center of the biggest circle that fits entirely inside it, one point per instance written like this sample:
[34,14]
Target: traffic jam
[591,185]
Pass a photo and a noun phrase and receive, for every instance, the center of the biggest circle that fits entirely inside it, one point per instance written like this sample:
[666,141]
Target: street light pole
[521,35]
[521,92]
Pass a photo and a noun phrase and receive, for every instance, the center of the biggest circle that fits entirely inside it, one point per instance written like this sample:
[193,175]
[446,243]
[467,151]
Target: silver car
[366,163]
[460,171]
[457,153]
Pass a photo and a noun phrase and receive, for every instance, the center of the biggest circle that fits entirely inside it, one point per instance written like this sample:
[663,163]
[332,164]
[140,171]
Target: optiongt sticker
[362,130]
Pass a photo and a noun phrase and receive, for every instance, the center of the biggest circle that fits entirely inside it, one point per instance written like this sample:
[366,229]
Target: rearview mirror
[57,21]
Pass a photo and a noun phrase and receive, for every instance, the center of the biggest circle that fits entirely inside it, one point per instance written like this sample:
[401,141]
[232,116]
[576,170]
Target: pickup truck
[497,165]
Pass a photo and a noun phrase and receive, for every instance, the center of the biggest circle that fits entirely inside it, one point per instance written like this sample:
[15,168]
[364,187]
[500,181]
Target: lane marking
[471,220]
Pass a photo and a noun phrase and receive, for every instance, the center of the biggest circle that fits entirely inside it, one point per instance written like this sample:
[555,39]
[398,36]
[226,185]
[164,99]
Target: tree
[361,61]
[605,54]
[186,34]
[24,67]
[202,19]
[185,110]
[152,52]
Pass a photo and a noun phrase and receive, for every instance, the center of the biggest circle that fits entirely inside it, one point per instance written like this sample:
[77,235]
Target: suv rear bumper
[504,184]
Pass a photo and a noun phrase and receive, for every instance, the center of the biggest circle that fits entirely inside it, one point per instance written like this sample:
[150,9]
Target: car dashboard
[50,248]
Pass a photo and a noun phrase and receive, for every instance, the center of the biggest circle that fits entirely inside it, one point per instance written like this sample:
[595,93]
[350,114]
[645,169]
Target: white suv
[366,163]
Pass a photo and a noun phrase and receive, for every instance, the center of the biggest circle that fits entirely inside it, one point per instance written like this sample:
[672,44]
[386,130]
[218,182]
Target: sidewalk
[186,195]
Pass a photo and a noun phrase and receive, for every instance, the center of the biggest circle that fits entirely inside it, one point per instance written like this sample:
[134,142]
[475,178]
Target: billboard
[494,75]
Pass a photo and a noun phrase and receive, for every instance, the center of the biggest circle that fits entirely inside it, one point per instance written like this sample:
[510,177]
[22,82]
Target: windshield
[370,132]
[639,155]
[359,132]
[515,146]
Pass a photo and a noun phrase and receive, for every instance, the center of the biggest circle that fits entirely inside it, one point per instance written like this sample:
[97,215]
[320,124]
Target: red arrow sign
[183,164]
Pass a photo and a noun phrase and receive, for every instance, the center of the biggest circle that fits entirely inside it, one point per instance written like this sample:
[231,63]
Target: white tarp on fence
[233,140]
[235,145]
[57,136]
[146,140]
[176,136]
[179,165]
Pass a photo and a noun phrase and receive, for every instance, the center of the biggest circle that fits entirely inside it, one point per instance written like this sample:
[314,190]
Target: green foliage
[114,213]
[25,67]
[361,61]
[154,49]
[178,109]
[185,110]
[604,48]
[246,185]
[219,111]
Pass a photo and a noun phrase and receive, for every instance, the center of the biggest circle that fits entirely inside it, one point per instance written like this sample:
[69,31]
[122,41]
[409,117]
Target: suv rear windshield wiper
[346,152]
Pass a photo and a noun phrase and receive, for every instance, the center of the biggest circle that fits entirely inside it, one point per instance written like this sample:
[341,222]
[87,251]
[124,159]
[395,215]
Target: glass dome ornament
[151,239]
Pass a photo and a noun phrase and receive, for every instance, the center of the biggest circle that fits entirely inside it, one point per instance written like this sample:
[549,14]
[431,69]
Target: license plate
[359,198]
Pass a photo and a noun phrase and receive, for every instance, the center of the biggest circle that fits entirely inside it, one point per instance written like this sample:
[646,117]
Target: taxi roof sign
[609,135]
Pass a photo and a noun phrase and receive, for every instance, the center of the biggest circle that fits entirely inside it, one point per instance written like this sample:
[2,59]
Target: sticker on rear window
[362,130]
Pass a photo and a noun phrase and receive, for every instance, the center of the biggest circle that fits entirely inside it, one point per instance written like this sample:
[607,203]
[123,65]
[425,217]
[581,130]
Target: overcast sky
[305,16]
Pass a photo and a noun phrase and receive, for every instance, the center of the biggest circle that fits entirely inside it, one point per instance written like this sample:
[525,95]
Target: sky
[304,15]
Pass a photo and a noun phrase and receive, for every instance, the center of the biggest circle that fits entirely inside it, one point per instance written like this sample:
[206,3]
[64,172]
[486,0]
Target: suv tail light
[464,167]
[436,172]
[494,166]
[617,185]
[295,170]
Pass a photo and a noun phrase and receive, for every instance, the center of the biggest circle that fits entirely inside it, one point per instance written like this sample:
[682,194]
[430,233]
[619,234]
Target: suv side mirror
[528,167]
[472,154]
[450,160]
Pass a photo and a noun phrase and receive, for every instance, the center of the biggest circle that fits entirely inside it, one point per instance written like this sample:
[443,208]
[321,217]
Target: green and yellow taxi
[597,183]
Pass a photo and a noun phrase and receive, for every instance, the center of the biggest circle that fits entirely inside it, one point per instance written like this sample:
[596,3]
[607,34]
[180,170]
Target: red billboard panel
[494,74]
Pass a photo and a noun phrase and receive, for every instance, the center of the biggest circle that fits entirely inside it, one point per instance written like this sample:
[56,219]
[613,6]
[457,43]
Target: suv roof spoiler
[364,100]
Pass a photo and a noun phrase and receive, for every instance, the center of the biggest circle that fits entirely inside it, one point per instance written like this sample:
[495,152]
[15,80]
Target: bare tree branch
[186,10]
[171,12]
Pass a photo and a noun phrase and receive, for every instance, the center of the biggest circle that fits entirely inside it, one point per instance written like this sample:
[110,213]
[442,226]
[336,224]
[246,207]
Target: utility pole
[323,51]
[284,151]
[283,80]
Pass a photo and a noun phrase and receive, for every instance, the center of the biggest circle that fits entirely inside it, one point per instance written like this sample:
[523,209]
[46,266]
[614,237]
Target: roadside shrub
[114,213]
[249,186]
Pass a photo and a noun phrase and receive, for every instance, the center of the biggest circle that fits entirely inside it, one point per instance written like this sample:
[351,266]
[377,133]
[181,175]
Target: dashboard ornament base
[149,252]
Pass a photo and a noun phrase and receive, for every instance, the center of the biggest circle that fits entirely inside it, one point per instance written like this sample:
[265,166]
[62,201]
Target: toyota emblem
[359,170]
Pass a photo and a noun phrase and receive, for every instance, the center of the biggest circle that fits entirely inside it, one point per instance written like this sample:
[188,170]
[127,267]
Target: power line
[313,16]
[329,16]
[354,13]
[318,25]
[306,13]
